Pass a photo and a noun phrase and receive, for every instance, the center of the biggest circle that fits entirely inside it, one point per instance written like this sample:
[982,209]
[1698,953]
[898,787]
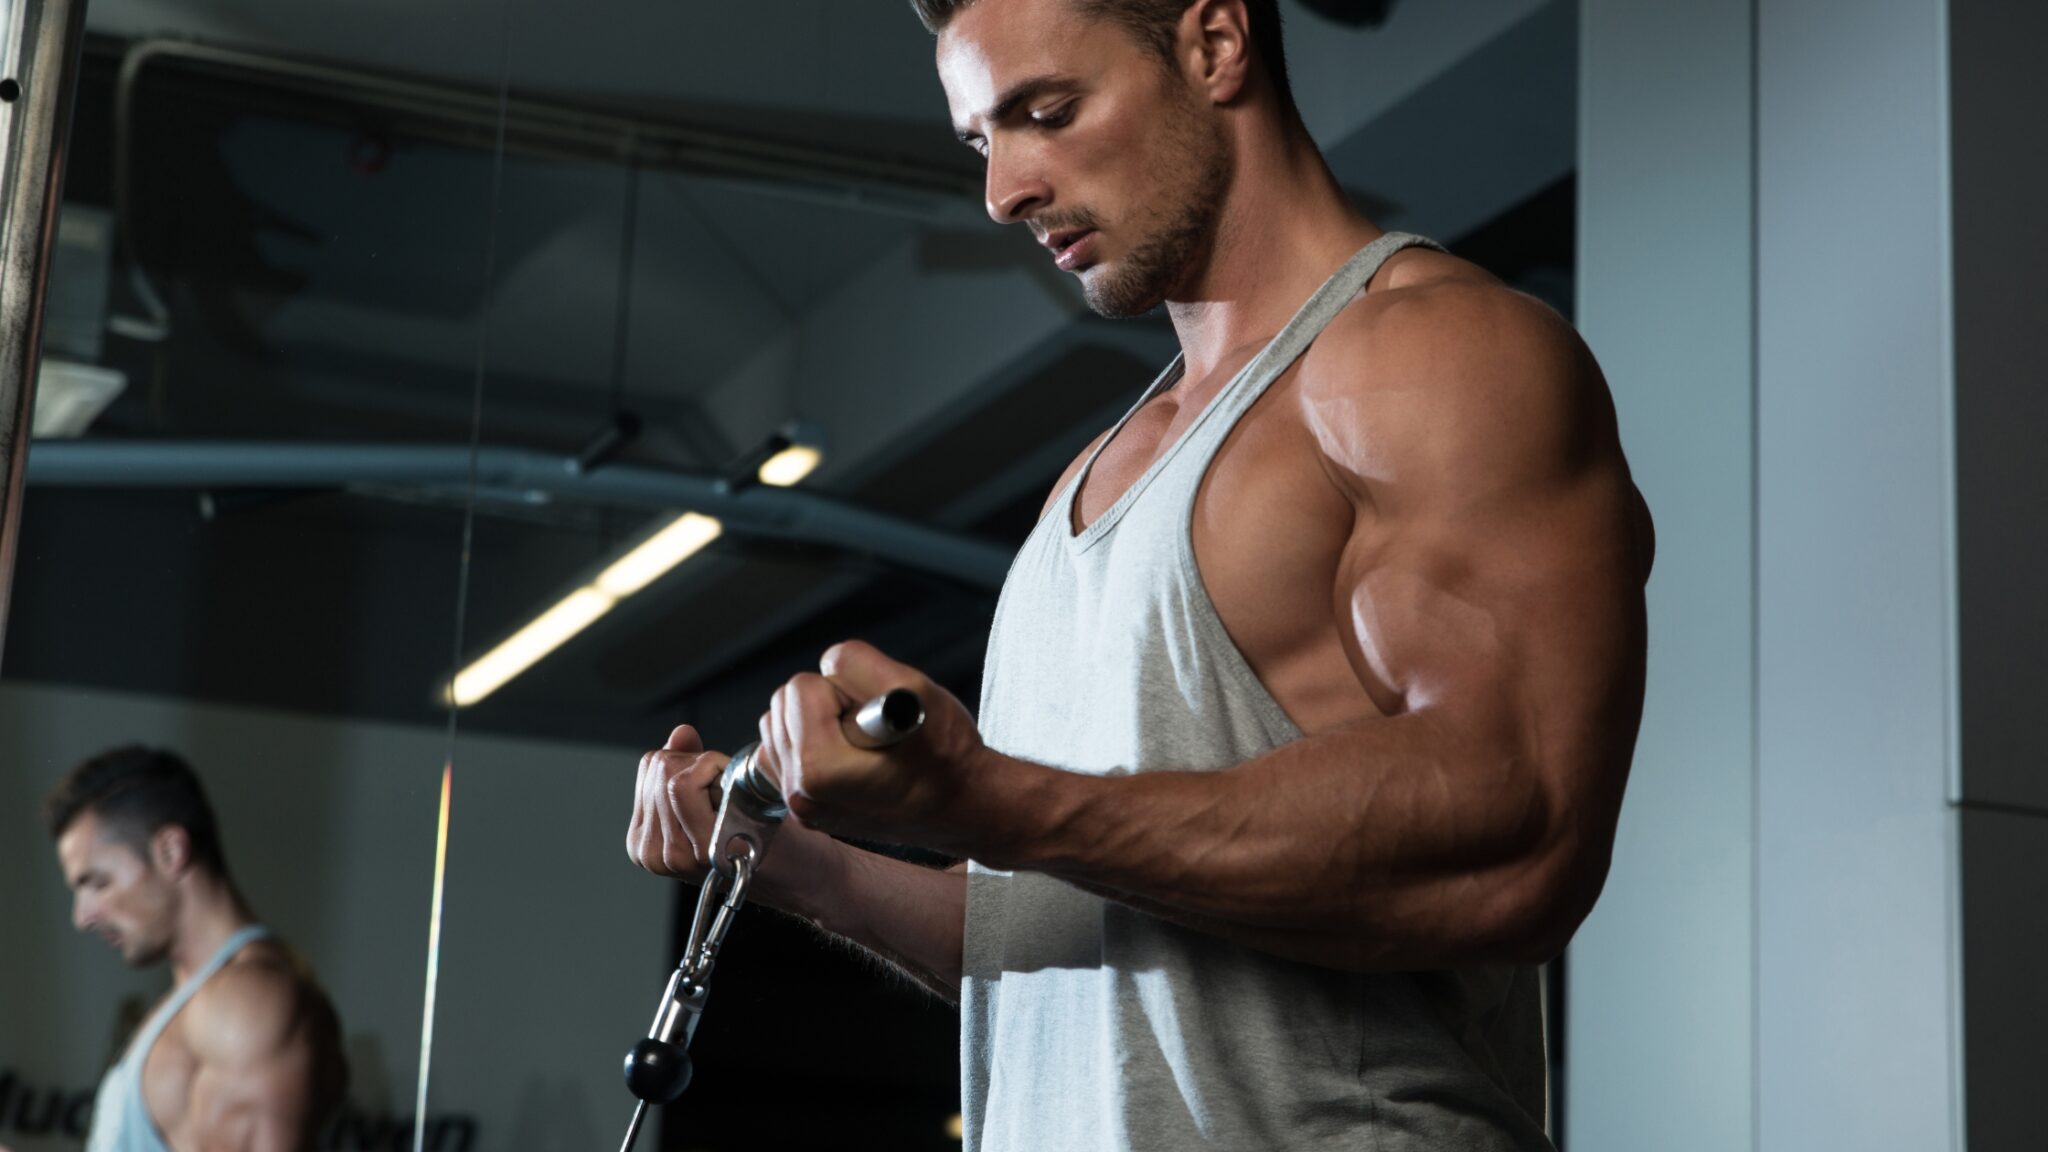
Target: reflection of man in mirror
[1311,696]
[244,1053]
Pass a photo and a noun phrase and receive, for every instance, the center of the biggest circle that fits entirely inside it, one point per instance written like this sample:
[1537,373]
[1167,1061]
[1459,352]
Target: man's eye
[1059,117]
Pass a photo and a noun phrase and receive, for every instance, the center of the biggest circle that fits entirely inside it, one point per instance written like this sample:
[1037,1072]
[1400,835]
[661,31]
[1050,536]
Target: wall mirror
[242,535]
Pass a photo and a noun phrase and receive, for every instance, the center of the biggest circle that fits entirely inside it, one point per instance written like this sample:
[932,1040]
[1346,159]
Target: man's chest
[168,1072]
[1269,530]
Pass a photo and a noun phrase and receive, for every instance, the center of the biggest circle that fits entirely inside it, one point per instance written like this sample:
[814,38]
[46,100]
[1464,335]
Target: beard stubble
[1176,232]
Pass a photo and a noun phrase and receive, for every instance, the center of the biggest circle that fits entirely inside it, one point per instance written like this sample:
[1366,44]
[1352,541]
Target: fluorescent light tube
[547,632]
[676,542]
[670,545]
[790,465]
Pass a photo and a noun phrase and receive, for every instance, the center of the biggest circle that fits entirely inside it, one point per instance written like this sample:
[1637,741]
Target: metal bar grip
[891,718]
[887,719]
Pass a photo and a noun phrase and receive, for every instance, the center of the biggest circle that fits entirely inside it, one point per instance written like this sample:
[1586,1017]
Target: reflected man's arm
[268,1071]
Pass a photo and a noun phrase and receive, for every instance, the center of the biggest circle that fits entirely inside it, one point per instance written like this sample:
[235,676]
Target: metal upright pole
[39,47]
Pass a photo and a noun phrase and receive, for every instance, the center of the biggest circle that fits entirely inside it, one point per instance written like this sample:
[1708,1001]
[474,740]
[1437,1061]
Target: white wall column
[1778,962]
[1658,1022]
[1858,985]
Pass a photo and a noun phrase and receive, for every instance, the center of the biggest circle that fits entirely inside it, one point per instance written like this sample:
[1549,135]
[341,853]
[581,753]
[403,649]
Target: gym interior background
[376,331]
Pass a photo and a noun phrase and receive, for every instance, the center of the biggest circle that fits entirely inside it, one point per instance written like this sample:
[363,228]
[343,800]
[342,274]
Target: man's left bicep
[257,1100]
[1492,562]
[1492,592]
[1512,609]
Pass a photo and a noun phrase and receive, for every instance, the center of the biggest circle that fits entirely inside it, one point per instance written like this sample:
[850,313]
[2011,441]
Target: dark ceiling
[340,274]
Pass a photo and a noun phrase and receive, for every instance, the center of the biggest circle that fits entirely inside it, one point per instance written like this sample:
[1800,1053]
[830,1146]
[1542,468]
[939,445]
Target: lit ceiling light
[642,564]
[673,544]
[790,465]
[548,631]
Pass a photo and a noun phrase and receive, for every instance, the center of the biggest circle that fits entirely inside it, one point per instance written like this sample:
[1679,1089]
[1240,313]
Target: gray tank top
[120,1116]
[1086,1024]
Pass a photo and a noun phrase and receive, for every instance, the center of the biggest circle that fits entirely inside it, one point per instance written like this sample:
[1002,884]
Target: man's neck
[211,911]
[1286,228]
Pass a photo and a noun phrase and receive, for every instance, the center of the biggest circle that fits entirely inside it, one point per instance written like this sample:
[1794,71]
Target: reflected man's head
[1114,129]
[134,831]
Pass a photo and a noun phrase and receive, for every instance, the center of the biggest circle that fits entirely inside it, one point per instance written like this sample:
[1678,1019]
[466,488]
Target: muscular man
[1310,699]
[244,1053]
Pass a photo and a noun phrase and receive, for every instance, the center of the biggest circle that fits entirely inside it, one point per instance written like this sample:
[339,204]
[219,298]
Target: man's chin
[1106,301]
[1121,290]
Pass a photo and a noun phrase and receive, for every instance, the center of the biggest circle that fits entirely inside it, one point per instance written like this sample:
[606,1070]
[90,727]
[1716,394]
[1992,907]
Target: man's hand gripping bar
[753,807]
[750,811]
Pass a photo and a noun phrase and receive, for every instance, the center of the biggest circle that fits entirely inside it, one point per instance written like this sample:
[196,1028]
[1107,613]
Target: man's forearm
[1379,848]
[911,916]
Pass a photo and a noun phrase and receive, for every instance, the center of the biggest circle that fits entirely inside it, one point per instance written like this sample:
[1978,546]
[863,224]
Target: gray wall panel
[1658,1035]
[2005,949]
[2000,184]
[1856,1020]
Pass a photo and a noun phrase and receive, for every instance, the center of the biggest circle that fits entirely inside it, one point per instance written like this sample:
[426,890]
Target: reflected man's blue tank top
[120,1116]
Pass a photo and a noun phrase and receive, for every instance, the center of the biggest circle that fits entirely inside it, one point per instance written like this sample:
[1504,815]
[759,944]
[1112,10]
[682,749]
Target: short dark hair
[1154,23]
[135,791]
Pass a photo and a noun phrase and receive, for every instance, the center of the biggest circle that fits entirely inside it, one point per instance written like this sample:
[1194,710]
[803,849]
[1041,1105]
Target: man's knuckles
[686,767]
[811,689]
[855,659]
[809,812]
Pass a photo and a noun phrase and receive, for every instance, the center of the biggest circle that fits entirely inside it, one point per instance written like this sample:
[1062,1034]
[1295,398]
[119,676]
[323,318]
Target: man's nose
[1013,192]
[83,914]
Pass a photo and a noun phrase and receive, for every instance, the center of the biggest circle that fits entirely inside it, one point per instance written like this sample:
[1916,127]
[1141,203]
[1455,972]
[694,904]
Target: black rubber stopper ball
[657,1072]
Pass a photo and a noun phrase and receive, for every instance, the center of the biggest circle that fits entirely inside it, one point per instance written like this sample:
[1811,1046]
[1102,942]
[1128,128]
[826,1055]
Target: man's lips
[1072,247]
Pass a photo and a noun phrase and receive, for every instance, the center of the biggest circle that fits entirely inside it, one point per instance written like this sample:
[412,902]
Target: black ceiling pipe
[783,513]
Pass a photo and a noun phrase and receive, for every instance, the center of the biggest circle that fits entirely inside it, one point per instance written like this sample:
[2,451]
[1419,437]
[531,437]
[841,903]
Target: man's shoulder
[1440,366]
[256,1004]
[1437,314]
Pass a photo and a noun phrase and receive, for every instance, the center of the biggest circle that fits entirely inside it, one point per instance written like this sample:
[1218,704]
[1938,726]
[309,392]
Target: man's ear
[170,850]
[1220,30]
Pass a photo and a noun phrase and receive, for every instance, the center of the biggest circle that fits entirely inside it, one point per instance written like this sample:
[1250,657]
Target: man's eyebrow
[1015,94]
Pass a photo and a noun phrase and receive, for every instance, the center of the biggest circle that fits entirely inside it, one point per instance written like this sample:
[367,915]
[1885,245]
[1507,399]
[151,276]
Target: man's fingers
[811,707]
[683,847]
[656,818]
[770,752]
[684,739]
[688,800]
[636,828]
[860,671]
[672,810]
